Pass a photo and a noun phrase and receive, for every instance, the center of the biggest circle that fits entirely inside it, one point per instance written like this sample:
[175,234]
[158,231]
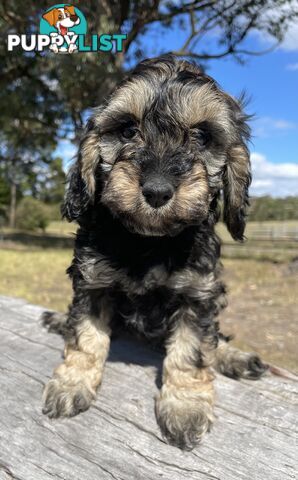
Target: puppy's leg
[235,363]
[74,383]
[184,407]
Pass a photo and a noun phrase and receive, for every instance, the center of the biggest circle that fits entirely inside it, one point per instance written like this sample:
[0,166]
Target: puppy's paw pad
[63,400]
[184,425]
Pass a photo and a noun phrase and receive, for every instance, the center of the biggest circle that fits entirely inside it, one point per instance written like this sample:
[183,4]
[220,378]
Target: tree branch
[230,50]
[153,15]
[187,8]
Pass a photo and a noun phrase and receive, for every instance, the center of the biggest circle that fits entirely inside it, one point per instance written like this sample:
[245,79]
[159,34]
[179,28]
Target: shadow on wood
[253,436]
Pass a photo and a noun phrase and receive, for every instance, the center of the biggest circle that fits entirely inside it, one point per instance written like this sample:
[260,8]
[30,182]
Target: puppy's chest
[100,273]
[147,301]
[144,302]
[149,313]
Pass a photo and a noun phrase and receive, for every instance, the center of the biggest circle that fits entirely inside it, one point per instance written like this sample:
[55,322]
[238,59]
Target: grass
[262,309]
[281,249]
[268,281]
[263,302]
[280,228]
[273,241]
[61,228]
[65,228]
[36,275]
[266,241]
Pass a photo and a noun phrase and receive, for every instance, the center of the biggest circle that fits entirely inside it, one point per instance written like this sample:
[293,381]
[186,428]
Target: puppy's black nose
[157,193]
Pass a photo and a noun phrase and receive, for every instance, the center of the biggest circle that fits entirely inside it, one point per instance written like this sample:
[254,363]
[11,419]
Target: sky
[271,83]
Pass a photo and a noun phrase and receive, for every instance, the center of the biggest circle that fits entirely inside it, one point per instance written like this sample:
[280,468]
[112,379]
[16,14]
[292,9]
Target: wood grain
[253,438]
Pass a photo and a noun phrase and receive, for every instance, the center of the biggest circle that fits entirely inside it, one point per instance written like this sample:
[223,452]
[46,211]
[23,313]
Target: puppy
[145,192]
[62,19]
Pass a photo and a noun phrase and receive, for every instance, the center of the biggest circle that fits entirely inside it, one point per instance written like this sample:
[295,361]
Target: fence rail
[270,232]
[274,233]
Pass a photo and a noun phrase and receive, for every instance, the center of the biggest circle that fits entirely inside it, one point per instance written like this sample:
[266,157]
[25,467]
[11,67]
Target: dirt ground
[262,300]
[262,309]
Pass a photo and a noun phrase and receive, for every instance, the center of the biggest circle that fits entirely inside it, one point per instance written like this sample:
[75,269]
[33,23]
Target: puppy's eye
[60,17]
[129,131]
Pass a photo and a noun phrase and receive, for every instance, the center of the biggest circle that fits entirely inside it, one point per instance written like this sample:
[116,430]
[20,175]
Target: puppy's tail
[282,372]
[55,322]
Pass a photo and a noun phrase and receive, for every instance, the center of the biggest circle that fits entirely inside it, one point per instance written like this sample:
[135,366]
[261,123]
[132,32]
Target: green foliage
[54,212]
[43,97]
[32,214]
[48,93]
[51,184]
[268,208]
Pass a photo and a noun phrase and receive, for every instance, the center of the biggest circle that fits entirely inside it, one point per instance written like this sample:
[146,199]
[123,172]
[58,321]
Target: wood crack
[254,421]
[125,419]
[23,337]
[118,438]
[8,472]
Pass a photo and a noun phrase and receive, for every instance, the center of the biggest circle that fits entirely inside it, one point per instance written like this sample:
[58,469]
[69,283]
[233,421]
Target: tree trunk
[13,204]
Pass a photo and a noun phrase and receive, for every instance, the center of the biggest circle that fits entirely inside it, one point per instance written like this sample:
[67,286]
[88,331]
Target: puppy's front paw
[183,418]
[61,399]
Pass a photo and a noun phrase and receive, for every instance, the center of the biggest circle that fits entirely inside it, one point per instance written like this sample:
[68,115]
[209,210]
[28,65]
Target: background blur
[46,98]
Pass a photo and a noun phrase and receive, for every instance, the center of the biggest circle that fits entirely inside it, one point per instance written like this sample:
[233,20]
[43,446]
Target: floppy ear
[77,198]
[81,181]
[70,9]
[237,175]
[50,17]
[237,178]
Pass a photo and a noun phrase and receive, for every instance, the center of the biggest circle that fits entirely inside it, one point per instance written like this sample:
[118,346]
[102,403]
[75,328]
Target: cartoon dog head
[62,18]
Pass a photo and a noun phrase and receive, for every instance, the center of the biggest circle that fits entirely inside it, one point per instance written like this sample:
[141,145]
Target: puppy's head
[157,154]
[65,16]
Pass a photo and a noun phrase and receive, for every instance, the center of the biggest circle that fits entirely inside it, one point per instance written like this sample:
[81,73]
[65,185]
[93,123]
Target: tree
[29,124]
[51,184]
[32,214]
[20,160]
[268,208]
[4,197]
[232,20]
[43,97]
[81,81]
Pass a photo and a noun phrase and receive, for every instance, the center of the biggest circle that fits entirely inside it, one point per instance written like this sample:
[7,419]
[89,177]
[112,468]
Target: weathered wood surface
[253,437]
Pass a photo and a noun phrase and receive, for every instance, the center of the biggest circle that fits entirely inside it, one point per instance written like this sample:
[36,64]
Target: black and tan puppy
[144,190]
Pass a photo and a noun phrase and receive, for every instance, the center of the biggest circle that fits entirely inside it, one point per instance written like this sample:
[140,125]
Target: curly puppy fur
[145,190]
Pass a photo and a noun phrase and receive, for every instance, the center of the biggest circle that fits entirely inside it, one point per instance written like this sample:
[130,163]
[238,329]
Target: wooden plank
[253,437]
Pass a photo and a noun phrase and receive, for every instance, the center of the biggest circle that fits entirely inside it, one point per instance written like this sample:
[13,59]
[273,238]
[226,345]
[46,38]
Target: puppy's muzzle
[157,192]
